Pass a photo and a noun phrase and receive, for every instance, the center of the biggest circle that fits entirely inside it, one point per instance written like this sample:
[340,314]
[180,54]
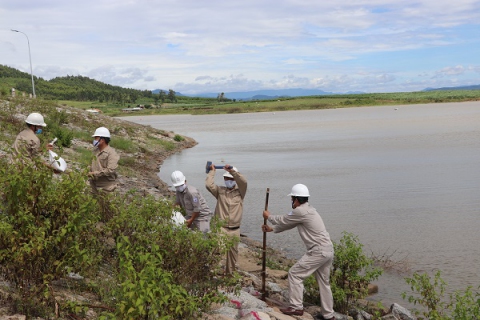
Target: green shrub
[165,271]
[429,293]
[147,291]
[47,229]
[64,136]
[178,138]
[465,305]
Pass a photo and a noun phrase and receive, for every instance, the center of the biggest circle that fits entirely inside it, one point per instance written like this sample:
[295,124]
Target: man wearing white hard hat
[197,212]
[319,256]
[103,171]
[229,208]
[27,143]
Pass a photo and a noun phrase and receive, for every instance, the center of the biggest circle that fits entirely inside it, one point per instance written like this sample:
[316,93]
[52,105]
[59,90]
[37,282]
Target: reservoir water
[404,179]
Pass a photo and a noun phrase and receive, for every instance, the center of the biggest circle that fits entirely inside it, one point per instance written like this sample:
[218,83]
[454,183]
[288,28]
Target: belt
[231,228]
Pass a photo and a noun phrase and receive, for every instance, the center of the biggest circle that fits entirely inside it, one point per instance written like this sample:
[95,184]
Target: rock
[389,317]
[401,313]
[14,317]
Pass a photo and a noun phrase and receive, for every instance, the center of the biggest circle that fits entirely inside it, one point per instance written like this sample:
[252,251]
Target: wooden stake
[264,251]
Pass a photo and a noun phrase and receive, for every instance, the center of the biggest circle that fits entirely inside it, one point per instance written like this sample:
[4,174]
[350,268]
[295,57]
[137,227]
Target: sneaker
[292,311]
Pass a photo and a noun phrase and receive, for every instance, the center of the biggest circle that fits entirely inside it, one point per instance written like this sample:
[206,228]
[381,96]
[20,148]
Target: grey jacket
[309,224]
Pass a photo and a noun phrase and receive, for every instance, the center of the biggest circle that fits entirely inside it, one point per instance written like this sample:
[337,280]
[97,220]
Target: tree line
[78,88]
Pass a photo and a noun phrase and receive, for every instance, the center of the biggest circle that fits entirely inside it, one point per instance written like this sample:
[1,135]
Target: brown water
[404,179]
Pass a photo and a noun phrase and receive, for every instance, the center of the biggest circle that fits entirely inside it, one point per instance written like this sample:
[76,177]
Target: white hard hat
[299,190]
[228,174]
[35,119]
[177,178]
[57,162]
[102,132]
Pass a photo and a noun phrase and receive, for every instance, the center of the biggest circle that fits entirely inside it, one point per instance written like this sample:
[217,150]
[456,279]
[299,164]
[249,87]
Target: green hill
[78,88]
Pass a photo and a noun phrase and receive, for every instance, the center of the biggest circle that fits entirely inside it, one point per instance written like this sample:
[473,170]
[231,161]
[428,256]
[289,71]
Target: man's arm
[282,223]
[194,216]
[241,182]
[210,182]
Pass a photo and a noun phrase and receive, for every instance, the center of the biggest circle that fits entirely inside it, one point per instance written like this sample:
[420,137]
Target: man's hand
[266,228]
[228,168]
[212,167]
[266,214]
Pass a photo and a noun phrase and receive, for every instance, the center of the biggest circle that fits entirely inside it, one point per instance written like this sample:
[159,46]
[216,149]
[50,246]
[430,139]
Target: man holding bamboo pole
[319,256]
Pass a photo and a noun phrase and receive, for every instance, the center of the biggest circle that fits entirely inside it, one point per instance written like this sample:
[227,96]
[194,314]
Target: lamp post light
[30,56]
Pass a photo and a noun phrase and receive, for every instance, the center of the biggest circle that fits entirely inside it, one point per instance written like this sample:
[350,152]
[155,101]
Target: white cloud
[243,45]
[449,71]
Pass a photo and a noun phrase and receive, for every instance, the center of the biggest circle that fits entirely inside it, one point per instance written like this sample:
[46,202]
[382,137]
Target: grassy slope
[142,149]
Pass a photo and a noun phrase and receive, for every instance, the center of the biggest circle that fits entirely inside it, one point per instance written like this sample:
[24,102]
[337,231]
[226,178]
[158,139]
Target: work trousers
[102,195]
[317,261]
[232,254]
[203,225]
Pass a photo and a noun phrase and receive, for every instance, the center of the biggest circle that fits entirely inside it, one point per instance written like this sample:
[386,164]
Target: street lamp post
[30,56]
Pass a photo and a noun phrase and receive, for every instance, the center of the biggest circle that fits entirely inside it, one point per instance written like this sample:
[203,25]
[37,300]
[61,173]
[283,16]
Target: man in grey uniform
[319,256]
[197,212]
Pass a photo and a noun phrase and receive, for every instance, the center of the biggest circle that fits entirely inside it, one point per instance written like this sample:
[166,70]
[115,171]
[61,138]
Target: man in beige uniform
[198,213]
[27,143]
[103,171]
[319,256]
[229,206]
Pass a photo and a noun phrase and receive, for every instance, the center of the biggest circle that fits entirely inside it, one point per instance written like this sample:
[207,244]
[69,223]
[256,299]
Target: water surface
[404,179]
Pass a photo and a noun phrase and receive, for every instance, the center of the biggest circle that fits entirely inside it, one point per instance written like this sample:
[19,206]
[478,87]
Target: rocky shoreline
[249,305]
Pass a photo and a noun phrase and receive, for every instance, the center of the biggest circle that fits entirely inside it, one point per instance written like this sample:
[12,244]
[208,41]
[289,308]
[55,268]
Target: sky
[197,46]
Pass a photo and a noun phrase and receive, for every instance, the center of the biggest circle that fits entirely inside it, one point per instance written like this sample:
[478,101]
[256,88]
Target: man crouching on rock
[319,256]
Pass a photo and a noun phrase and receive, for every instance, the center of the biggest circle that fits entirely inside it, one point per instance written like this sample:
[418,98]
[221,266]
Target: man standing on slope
[319,256]
[229,208]
[103,171]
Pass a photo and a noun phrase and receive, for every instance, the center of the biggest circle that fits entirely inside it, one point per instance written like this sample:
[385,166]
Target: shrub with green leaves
[47,229]
[352,272]
[178,138]
[164,271]
[429,293]
[465,305]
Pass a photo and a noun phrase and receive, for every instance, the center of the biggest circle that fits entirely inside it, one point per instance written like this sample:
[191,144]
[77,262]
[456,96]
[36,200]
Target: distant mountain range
[264,94]
[297,92]
[474,87]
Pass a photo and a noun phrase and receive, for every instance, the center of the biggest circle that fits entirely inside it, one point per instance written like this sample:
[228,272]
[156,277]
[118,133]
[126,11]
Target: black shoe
[320,317]
[292,311]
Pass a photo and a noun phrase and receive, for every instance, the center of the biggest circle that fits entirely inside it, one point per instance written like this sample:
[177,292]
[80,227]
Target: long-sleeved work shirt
[192,201]
[229,206]
[309,224]
[27,143]
[104,169]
